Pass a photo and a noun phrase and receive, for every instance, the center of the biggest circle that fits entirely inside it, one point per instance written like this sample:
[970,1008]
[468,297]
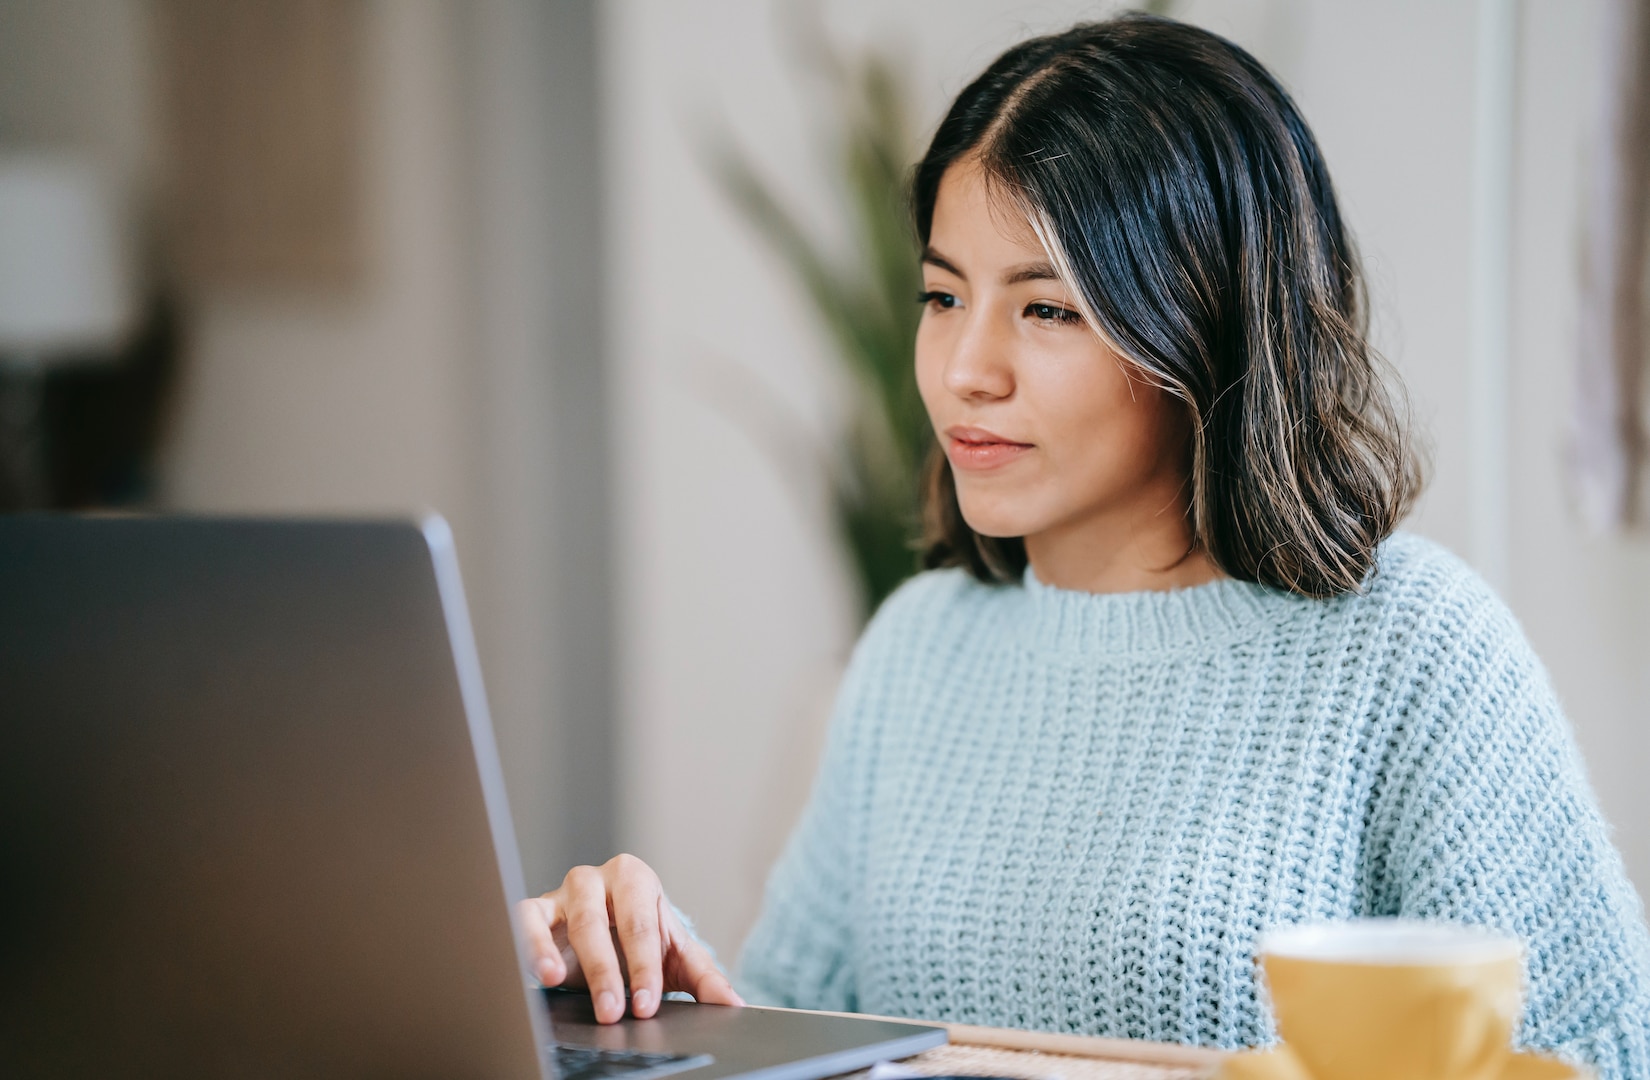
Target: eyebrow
[931,257]
[1037,271]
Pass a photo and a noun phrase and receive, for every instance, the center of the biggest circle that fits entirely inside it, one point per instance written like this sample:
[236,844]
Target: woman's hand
[610,925]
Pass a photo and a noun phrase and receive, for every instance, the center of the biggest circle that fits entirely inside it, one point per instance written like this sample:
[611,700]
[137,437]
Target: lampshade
[64,282]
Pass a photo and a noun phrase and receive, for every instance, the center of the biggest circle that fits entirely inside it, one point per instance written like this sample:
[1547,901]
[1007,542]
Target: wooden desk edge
[1091,1046]
[1154,1053]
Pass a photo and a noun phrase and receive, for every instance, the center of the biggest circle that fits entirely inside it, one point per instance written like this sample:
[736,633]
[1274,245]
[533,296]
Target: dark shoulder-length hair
[1183,199]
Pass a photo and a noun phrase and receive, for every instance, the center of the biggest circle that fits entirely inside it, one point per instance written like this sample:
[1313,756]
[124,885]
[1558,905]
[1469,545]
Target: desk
[1033,1055]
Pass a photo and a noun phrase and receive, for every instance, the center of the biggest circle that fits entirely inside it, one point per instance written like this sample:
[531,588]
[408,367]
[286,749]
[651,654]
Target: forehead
[978,221]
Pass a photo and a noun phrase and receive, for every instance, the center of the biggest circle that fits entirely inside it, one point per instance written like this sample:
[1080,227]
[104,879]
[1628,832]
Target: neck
[1113,552]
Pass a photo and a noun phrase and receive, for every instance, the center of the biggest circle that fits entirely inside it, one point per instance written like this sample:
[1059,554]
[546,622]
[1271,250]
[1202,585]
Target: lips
[978,450]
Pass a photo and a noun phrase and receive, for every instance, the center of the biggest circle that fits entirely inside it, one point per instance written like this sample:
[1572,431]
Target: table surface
[1032,1055]
[961,1058]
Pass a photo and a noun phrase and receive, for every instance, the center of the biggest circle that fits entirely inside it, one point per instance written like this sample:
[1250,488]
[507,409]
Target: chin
[994,520]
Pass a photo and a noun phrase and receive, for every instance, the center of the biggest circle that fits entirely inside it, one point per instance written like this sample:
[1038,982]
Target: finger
[589,931]
[692,968]
[635,896]
[537,917]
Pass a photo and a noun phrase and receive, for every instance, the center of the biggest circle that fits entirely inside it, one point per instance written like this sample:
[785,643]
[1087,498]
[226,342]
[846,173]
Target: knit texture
[1071,812]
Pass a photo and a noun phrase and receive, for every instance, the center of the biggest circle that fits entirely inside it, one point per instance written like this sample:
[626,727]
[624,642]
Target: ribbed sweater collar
[1065,620]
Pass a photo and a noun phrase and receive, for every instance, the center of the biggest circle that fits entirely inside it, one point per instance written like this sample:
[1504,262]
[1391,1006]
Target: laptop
[252,823]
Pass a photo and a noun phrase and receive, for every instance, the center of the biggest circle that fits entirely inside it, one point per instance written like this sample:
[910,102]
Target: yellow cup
[1372,999]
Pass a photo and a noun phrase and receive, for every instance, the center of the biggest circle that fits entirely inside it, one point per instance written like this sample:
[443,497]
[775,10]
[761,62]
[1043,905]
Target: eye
[1052,313]
[935,298]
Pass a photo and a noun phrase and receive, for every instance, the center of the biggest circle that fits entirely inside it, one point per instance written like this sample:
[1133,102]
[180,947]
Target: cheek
[1106,433]
[930,354]
[1090,408]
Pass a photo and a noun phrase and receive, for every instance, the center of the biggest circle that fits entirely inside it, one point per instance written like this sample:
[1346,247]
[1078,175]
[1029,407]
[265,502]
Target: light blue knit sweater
[1071,812]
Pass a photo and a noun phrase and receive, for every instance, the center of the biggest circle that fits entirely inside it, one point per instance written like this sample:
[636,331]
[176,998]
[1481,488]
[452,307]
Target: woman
[1171,681]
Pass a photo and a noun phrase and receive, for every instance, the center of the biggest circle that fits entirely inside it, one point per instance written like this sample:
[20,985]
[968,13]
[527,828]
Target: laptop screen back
[243,826]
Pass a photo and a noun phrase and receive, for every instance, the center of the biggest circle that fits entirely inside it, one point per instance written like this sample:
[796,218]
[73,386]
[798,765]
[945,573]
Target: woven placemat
[1034,1065]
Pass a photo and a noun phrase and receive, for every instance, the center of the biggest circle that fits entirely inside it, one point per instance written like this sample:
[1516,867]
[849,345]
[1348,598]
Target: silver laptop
[252,824]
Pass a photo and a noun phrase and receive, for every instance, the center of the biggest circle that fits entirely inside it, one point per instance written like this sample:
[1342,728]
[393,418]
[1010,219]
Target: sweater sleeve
[797,954]
[800,953]
[1501,828]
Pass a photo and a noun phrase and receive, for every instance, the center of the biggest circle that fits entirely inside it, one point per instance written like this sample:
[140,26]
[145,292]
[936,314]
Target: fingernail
[640,1000]
[546,973]
[606,1003]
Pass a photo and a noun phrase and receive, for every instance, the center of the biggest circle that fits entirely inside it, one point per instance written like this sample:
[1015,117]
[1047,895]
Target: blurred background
[608,284]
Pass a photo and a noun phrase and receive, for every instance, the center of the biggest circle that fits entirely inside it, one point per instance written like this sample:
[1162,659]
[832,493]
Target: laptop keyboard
[589,1063]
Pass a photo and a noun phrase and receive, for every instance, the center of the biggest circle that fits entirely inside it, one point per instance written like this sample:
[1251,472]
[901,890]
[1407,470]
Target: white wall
[1584,600]
[78,74]
[359,399]
[735,608]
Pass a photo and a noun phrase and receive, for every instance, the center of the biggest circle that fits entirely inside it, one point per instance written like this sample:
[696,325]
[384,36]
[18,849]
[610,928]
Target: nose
[980,368]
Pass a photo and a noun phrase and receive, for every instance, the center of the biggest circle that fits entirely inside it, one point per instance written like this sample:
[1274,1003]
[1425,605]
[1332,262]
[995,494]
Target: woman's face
[1048,435]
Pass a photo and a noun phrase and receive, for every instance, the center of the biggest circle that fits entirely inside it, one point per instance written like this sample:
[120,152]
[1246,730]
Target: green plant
[866,302]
